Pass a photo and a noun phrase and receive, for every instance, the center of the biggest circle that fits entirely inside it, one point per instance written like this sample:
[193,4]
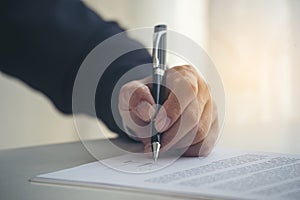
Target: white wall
[255,45]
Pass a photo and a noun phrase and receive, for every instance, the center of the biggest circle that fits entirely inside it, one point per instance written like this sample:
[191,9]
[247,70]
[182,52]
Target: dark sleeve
[43,43]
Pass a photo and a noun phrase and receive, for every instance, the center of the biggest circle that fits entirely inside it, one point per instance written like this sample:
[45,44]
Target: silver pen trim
[159,71]
[155,150]
[156,38]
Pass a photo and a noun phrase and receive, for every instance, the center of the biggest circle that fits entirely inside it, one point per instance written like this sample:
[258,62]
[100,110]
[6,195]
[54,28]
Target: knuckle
[202,131]
[130,93]
[188,78]
[203,128]
[139,92]
[193,116]
[127,89]
[203,89]
[193,112]
[124,89]
[194,87]
[142,89]
[129,86]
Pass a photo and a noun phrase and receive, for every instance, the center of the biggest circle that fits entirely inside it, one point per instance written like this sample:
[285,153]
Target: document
[224,174]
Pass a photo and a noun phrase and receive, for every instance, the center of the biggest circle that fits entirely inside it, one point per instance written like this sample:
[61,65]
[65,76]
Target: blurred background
[254,44]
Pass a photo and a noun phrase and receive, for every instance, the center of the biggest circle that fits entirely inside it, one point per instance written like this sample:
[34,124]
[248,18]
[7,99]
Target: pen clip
[156,38]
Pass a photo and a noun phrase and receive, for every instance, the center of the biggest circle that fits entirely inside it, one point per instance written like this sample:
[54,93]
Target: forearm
[43,43]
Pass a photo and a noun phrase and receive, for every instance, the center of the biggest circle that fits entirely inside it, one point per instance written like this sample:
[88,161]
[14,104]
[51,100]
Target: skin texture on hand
[187,120]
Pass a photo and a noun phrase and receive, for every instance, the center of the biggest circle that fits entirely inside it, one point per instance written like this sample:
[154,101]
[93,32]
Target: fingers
[204,147]
[179,118]
[183,84]
[188,120]
[199,132]
[141,101]
[180,135]
[144,110]
[135,91]
[135,106]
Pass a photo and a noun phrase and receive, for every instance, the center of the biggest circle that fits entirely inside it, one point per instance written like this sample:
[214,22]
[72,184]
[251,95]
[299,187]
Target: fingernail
[151,111]
[142,110]
[163,124]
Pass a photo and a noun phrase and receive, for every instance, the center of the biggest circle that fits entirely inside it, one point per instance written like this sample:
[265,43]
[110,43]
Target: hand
[187,120]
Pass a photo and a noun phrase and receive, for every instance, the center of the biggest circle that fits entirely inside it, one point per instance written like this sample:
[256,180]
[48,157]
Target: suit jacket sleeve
[43,43]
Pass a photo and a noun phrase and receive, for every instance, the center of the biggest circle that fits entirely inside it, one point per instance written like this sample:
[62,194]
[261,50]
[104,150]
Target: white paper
[225,174]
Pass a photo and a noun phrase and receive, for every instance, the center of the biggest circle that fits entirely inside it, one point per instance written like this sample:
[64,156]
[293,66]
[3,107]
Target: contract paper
[224,174]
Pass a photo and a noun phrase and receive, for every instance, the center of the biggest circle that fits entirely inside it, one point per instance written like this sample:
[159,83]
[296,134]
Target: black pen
[158,89]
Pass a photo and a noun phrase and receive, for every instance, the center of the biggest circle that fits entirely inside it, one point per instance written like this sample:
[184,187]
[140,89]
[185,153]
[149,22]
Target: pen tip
[155,150]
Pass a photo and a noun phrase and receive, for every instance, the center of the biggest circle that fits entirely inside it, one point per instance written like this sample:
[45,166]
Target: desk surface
[17,166]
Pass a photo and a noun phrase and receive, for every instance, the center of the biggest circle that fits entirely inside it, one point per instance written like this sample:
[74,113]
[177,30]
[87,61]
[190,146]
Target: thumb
[142,103]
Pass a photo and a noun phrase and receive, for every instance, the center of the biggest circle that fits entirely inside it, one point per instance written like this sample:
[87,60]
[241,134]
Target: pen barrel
[159,62]
[159,91]
[156,137]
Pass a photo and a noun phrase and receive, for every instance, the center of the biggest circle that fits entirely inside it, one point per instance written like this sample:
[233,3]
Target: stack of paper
[223,174]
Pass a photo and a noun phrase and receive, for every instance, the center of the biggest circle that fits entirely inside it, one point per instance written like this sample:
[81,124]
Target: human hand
[187,120]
